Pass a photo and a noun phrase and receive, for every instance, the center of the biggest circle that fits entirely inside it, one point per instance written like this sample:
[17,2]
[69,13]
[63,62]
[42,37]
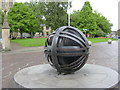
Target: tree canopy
[38,11]
[92,21]
[56,14]
[22,19]
[30,17]
[52,14]
[102,23]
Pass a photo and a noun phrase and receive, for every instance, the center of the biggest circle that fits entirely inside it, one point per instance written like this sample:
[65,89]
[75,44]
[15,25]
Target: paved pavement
[12,61]
[104,54]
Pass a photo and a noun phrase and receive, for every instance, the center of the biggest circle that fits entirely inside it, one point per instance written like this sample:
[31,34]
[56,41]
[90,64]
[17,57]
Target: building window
[3,5]
[10,4]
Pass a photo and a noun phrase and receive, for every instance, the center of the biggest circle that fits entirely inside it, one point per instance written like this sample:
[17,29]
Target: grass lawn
[40,41]
[31,42]
[96,40]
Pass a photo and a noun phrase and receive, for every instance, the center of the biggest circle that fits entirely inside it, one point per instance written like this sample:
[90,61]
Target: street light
[68,12]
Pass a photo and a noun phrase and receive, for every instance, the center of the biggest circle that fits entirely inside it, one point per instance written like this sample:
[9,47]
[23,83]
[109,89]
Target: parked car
[26,35]
[118,37]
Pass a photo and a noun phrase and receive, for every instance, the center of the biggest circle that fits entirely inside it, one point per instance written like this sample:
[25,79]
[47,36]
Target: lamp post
[68,13]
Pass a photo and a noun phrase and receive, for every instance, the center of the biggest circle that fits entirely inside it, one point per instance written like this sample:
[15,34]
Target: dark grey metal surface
[67,49]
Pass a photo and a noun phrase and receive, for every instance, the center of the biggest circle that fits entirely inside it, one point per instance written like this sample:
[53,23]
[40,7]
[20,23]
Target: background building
[6,4]
[0,4]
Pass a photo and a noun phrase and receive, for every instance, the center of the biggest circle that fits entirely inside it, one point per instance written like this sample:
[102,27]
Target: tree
[21,19]
[102,23]
[56,14]
[85,19]
[1,19]
[92,21]
[1,16]
[75,19]
[38,10]
[53,14]
[100,33]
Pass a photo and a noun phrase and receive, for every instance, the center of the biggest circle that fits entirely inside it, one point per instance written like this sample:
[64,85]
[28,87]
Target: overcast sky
[108,8]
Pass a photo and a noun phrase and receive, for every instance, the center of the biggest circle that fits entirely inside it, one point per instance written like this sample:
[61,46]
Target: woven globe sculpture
[67,49]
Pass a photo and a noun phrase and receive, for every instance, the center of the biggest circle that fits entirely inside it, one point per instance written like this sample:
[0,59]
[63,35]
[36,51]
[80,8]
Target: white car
[0,40]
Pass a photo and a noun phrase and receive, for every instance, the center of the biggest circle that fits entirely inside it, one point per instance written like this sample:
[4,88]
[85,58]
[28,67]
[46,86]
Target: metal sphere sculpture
[67,49]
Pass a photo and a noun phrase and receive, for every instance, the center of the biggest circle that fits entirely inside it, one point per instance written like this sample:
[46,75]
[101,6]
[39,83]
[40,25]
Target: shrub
[100,33]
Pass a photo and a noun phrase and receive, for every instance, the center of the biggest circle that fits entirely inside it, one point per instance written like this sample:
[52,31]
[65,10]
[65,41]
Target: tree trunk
[39,34]
[21,36]
[11,35]
[91,36]
[31,34]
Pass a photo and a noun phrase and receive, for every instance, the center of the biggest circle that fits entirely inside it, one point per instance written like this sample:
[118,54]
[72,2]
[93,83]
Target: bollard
[109,41]
[89,43]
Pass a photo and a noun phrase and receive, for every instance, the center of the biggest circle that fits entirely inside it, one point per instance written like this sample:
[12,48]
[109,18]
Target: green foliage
[1,16]
[102,23]
[1,19]
[21,17]
[55,14]
[100,33]
[92,21]
[85,19]
[38,11]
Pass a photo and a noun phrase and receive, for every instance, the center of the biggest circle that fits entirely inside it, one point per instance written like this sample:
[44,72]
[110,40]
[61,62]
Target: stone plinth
[44,76]
[5,39]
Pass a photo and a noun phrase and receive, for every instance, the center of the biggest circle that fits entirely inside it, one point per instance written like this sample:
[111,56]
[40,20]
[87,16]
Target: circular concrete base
[44,76]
